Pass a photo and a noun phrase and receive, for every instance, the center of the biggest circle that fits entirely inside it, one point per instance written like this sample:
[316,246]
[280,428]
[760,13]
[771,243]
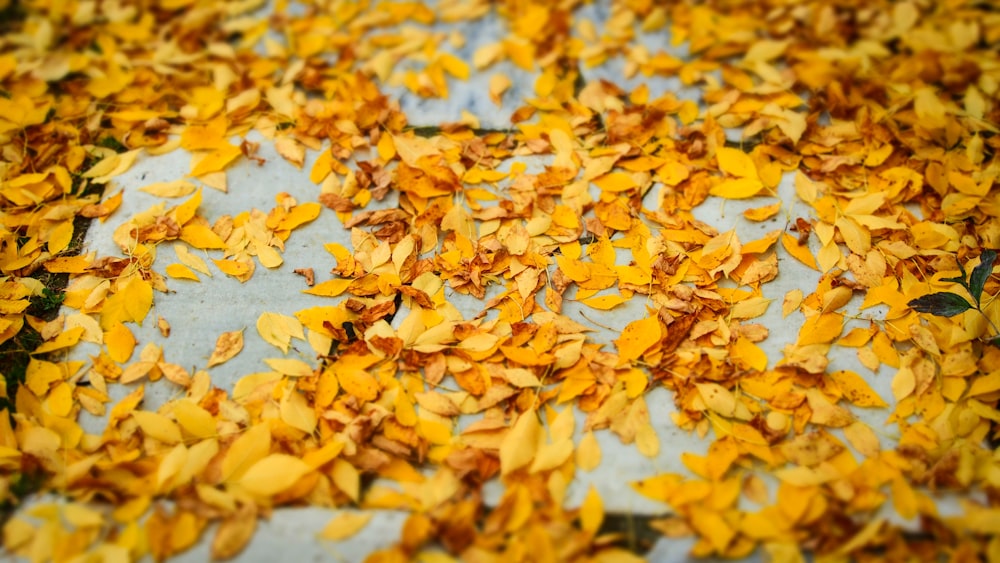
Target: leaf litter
[886,116]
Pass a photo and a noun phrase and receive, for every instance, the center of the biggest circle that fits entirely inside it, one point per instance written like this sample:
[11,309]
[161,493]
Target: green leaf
[981,273]
[942,304]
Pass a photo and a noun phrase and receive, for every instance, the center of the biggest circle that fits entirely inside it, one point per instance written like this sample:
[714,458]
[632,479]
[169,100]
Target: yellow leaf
[826,413]
[863,438]
[856,389]
[660,487]
[194,419]
[799,252]
[323,455]
[763,213]
[190,260]
[215,160]
[750,308]
[791,302]
[737,188]
[765,50]
[273,474]
[386,148]
[616,182]
[712,526]
[245,451]
[722,401]
[551,456]
[60,237]
[200,236]
[603,302]
[904,498]
[226,347]
[290,367]
[591,511]
[297,412]
[345,525]
[879,155]
[588,453]
[646,440]
[181,272]
[109,167]
[177,188]
[120,343]
[158,427]
[169,467]
[749,354]
[291,150]
[636,381]
[234,532]
[130,304]
[736,163]
[279,329]
[330,288]
[347,478]
[903,383]
[520,444]
[64,339]
[79,515]
[499,83]
[637,337]
[855,236]
[238,270]
[821,329]
[454,66]
[359,383]
[186,211]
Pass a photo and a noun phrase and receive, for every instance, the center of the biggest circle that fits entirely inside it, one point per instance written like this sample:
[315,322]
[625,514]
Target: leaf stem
[996,331]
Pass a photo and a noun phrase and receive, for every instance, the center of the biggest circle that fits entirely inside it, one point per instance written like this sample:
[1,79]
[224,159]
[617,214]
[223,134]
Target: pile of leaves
[886,115]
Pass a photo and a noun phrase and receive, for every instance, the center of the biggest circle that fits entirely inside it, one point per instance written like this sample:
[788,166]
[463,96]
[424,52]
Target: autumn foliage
[880,118]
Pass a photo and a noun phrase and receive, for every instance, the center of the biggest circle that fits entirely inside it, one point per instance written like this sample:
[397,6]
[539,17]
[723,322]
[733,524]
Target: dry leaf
[226,347]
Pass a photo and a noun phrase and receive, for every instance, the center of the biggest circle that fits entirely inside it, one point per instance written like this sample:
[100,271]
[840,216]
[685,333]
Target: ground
[499,280]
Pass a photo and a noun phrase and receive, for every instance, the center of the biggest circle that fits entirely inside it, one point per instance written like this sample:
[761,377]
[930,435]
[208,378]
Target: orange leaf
[359,383]
[637,337]
[616,182]
[120,342]
[799,252]
[763,213]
